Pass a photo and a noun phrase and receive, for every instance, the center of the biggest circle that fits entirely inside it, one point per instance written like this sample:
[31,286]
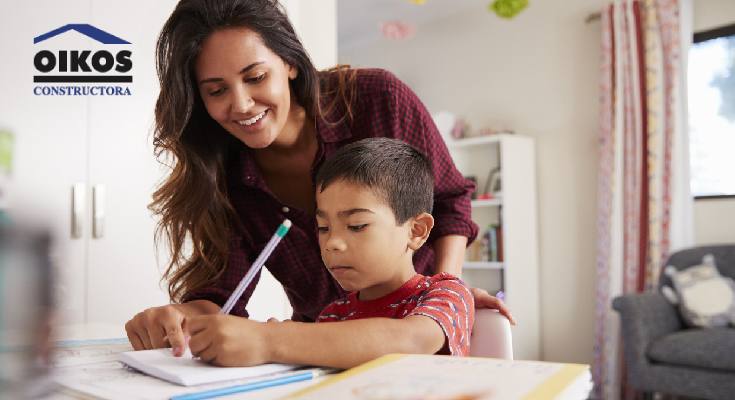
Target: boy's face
[361,244]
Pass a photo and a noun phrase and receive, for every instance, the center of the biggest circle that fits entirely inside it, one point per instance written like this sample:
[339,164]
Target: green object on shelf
[6,151]
[508,8]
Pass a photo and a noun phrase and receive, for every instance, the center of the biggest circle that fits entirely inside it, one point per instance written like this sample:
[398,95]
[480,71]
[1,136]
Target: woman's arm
[449,254]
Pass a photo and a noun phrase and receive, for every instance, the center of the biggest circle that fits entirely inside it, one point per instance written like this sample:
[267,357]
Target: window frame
[702,36]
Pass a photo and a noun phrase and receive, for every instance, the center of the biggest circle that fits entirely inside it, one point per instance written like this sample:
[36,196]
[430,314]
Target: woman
[248,121]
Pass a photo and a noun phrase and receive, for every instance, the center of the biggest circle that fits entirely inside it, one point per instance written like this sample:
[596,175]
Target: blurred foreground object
[26,302]
[6,166]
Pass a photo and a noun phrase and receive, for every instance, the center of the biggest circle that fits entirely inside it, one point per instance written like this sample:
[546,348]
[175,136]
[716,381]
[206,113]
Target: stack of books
[488,246]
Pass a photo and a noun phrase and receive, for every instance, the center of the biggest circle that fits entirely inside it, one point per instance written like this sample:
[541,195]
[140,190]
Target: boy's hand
[483,299]
[227,340]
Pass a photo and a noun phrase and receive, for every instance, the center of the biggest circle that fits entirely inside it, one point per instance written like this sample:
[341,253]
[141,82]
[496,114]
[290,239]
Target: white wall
[537,74]
[710,14]
[709,225]
[315,21]
[713,221]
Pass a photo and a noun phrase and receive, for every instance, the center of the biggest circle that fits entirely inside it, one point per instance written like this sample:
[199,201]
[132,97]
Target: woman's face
[245,86]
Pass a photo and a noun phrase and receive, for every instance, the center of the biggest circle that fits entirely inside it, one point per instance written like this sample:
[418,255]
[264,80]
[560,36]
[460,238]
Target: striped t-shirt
[442,297]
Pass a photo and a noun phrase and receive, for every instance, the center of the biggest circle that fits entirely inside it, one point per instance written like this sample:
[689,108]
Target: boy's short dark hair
[393,169]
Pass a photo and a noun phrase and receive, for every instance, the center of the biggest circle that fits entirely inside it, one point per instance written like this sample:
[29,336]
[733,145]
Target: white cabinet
[102,141]
[514,210]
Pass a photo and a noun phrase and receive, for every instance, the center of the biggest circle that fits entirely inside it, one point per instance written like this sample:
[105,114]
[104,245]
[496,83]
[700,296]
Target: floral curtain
[642,188]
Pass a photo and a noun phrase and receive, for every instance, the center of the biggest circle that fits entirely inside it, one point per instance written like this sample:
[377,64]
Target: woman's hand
[163,326]
[157,327]
[483,299]
[228,341]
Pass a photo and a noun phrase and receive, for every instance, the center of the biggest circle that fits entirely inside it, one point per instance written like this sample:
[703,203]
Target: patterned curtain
[641,131]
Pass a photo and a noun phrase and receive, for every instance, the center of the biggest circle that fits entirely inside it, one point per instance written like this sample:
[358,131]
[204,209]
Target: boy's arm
[346,344]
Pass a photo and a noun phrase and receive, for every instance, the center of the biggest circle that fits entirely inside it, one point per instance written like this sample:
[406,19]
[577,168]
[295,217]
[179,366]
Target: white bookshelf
[516,211]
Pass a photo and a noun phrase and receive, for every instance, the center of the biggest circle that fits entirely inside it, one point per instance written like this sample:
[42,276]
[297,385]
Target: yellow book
[399,376]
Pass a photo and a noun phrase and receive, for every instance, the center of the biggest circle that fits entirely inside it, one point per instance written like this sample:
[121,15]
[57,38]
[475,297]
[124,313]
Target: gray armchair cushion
[706,348]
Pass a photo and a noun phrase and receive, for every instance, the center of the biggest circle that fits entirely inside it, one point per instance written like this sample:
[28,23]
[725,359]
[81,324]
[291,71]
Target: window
[711,92]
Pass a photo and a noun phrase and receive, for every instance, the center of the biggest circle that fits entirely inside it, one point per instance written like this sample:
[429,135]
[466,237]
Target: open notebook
[401,376]
[189,371]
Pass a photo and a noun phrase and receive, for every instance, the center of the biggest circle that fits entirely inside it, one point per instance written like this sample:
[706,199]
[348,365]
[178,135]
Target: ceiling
[358,21]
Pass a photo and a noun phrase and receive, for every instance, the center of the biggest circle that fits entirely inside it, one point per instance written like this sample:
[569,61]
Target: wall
[315,21]
[537,74]
[709,225]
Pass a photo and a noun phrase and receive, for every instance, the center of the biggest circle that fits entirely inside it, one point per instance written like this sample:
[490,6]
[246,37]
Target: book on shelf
[492,239]
[489,246]
[499,238]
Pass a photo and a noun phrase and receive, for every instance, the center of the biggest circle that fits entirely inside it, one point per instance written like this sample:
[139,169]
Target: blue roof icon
[85,29]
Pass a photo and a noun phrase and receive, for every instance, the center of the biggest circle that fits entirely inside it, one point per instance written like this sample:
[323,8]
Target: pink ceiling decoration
[397,30]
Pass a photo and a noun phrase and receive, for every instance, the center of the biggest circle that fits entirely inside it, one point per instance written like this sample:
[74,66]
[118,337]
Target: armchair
[662,354]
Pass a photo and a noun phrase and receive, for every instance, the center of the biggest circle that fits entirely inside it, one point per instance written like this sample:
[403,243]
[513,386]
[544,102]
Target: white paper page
[114,381]
[187,370]
[92,368]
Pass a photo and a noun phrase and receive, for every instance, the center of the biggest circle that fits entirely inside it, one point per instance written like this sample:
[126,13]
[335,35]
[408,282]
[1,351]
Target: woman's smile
[254,123]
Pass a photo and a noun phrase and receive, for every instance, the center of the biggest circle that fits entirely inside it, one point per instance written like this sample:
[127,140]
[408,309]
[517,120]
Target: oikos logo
[75,61]
[83,72]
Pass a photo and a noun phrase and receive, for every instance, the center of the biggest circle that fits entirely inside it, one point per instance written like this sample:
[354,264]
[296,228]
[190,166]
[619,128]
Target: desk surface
[96,332]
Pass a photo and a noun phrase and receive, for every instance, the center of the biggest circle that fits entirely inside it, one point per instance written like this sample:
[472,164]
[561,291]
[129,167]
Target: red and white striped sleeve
[450,303]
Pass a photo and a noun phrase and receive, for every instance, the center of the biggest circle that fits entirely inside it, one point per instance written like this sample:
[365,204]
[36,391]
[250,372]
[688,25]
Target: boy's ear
[421,226]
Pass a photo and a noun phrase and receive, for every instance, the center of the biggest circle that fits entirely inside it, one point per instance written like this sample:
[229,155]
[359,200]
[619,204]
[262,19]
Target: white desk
[578,388]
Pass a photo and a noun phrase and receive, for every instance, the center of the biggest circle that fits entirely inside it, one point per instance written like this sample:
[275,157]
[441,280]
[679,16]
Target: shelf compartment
[487,203]
[484,265]
[476,141]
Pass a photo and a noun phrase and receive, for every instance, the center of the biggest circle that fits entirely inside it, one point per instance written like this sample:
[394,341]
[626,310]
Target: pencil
[257,265]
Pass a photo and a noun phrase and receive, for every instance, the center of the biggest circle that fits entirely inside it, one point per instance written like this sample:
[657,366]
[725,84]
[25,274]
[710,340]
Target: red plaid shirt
[383,107]
[442,297]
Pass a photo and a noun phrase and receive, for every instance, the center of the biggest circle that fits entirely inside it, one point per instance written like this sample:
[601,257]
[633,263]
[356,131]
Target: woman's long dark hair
[192,202]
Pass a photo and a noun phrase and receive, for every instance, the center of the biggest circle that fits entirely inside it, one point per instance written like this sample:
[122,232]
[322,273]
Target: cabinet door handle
[77,210]
[98,212]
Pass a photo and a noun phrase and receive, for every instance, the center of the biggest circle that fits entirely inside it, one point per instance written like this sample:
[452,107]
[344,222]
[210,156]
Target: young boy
[374,199]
